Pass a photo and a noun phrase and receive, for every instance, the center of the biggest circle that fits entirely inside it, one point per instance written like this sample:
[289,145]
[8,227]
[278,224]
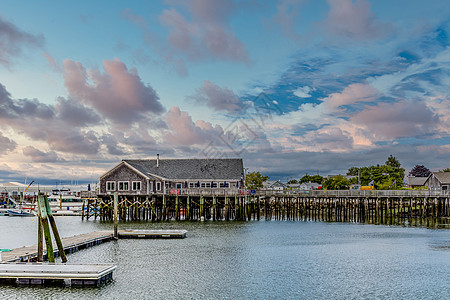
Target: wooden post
[46,228]
[202,212]
[82,210]
[62,254]
[164,208]
[177,209]
[188,208]
[60,201]
[116,204]
[40,253]
[214,208]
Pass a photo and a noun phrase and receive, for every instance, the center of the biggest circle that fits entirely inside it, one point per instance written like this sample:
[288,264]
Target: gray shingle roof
[443,177]
[227,168]
[417,181]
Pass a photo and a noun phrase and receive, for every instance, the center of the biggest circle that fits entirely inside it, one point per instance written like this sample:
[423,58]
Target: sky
[293,87]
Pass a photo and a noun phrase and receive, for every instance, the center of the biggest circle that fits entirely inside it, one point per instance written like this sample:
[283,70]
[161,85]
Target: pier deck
[68,274]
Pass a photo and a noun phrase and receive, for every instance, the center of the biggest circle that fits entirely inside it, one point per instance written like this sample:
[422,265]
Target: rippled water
[255,260]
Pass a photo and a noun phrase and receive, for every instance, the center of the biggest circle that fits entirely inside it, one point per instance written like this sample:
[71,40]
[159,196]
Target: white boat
[65,204]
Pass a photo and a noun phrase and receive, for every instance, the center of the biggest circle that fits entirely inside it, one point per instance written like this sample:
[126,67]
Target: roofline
[128,165]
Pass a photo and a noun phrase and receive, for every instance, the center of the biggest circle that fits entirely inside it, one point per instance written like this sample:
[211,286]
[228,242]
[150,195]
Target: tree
[292,181]
[338,182]
[255,180]
[419,171]
[382,177]
[314,178]
[446,170]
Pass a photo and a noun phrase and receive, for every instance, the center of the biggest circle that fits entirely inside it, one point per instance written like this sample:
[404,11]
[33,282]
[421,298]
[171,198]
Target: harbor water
[253,260]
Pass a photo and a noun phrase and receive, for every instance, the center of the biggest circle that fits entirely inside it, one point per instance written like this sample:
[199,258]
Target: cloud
[42,122]
[75,113]
[183,131]
[397,120]
[303,92]
[353,94]
[220,99]
[38,156]
[12,40]
[288,12]
[6,144]
[354,20]
[118,94]
[53,64]
[207,35]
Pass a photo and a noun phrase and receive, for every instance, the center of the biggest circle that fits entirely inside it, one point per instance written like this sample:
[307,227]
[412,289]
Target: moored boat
[20,213]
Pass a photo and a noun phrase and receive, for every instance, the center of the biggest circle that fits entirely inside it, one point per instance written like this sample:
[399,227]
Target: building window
[136,185]
[203,184]
[191,185]
[110,185]
[208,184]
[158,186]
[214,184]
[224,184]
[179,186]
[123,186]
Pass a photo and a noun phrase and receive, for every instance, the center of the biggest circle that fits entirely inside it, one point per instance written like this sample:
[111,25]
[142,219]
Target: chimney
[157,160]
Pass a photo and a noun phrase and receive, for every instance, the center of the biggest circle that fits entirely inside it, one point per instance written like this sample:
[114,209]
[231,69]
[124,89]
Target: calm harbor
[253,260]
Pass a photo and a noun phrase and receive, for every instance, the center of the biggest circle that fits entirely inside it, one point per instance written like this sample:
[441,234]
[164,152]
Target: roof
[443,177]
[225,168]
[417,181]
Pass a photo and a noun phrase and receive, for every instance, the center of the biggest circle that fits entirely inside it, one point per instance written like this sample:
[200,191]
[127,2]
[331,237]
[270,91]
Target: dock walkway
[81,241]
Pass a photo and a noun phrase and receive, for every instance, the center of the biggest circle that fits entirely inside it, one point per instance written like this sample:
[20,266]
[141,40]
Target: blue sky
[292,86]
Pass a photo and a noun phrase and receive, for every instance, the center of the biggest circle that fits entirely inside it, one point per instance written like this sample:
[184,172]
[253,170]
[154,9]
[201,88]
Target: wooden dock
[71,244]
[152,234]
[63,274]
[82,241]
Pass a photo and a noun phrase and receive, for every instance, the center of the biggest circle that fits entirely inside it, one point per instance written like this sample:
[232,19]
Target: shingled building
[150,176]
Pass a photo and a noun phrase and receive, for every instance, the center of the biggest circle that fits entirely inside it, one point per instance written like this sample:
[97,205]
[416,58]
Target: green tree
[338,182]
[446,170]
[254,180]
[314,178]
[292,181]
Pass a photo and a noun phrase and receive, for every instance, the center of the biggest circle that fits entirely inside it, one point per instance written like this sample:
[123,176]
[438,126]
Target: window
[214,184]
[203,184]
[123,186]
[208,184]
[158,186]
[136,185]
[223,184]
[110,185]
[179,185]
[191,185]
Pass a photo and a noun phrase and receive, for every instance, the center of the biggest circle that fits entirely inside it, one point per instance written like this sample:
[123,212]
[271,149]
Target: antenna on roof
[157,160]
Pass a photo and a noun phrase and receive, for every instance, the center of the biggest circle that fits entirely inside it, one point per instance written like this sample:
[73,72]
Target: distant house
[148,176]
[306,186]
[416,182]
[274,185]
[438,181]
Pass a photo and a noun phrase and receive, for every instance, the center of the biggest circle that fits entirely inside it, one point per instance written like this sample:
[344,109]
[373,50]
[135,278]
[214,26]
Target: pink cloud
[183,131]
[352,94]
[217,98]
[397,120]
[118,94]
[207,34]
[353,19]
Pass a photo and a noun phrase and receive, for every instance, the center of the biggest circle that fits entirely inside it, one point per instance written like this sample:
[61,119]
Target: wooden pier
[379,206]
[51,274]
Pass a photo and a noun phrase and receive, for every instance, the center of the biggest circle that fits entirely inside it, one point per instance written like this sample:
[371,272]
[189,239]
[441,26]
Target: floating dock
[152,234]
[82,241]
[64,274]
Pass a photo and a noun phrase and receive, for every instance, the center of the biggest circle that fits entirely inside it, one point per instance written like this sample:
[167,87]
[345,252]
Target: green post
[62,254]
[116,204]
[46,228]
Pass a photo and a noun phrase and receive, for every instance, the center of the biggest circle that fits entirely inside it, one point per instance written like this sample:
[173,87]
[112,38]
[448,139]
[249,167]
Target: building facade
[155,176]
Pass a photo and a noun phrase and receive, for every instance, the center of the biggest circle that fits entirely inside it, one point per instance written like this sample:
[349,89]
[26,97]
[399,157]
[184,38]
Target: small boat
[19,213]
